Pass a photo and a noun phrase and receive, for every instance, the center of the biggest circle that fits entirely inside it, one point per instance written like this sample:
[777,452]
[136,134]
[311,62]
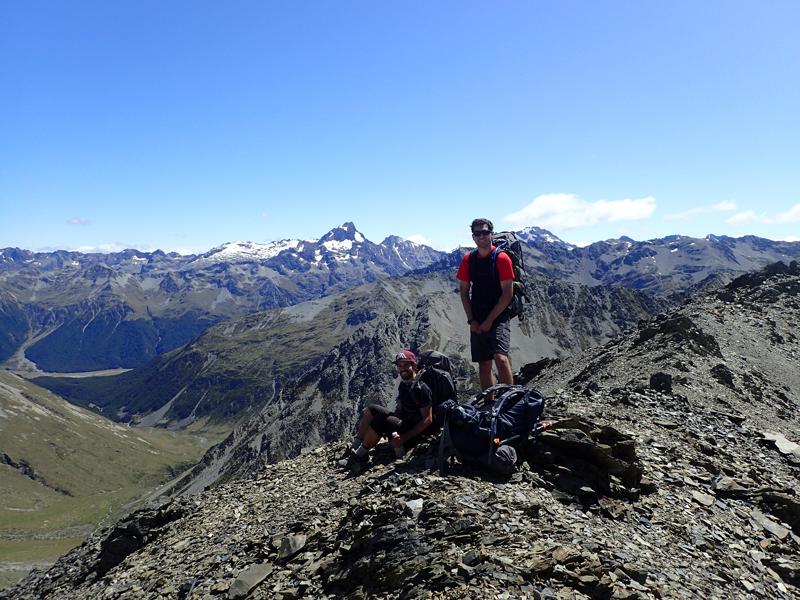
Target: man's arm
[507,288]
[473,325]
[427,419]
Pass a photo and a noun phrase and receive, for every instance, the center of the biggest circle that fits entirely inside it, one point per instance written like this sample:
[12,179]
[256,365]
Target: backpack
[507,241]
[434,370]
[489,434]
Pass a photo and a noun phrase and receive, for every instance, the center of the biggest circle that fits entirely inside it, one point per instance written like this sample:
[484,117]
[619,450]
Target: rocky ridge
[286,361]
[666,476]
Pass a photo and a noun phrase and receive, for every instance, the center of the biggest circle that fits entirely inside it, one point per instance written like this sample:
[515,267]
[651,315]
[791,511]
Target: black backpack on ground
[433,368]
[489,433]
[507,241]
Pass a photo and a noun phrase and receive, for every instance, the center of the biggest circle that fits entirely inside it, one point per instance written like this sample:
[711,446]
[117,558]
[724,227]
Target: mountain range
[66,311]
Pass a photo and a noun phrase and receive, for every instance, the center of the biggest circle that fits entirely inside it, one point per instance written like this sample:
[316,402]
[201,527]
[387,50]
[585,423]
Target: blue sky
[184,125]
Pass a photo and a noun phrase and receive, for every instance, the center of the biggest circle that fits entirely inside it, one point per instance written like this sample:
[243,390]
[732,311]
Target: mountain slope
[63,469]
[707,505]
[245,364]
[736,347]
[324,401]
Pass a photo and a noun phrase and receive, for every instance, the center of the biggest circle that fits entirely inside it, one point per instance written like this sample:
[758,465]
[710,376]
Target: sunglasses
[481,233]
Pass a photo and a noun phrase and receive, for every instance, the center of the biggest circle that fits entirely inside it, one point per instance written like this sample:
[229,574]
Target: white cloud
[750,216]
[103,248]
[78,221]
[725,206]
[792,238]
[120,246]
[567,211]
[420,239]
[747,216]
[790,216]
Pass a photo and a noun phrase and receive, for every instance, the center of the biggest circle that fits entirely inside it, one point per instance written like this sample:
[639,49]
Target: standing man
[487,288]
[412,415]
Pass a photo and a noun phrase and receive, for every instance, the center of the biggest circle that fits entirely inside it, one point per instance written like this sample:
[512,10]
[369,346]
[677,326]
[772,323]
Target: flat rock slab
[291,545]
[768,524]
[249,579]
[704,499]
[783,445]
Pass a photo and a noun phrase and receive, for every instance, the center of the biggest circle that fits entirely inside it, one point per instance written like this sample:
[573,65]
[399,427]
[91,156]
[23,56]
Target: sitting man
[412,415]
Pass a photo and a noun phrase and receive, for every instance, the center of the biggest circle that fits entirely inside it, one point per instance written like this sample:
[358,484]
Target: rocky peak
[396,240]
[345,232]
[538,236]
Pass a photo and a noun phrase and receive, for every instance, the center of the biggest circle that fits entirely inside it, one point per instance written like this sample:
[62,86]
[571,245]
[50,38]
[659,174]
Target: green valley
[64,470]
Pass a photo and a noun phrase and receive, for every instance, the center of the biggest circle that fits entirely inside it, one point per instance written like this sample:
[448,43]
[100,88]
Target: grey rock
[704,499]
[291,545]
[414,507]
[768,524]
[783,445]
[249,579]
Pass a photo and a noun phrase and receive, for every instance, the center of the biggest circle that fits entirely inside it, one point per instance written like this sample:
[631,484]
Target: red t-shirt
[503,265]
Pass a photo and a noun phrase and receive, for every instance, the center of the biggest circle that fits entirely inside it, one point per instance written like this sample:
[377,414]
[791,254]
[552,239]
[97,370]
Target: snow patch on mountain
[537,234]
[246,251]
[338,247]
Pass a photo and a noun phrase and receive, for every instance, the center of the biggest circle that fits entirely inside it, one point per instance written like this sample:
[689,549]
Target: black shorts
[385,422]
[495,341]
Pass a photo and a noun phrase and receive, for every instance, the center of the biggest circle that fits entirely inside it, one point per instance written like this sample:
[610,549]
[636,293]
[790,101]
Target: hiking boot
[345,456]
[358,463]
[353,462]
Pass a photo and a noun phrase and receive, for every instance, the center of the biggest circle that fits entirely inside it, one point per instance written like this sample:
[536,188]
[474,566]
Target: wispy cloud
[748,216]
[792,238]
[790,216]
[783,218]
[112,247]
[420,239]
[725,206]
[104,248]
[568,211]
[78,221]
[579,243]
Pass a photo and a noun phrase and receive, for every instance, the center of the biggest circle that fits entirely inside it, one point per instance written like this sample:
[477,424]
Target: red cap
[405,355]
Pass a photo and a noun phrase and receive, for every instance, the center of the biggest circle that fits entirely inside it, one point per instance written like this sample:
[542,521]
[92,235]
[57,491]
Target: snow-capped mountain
[91,311]
[245,252]
[538,236]
[340,245]
[68,311]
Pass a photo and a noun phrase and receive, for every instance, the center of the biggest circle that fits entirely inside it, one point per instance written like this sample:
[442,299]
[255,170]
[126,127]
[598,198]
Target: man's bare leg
[485,374]
[363,426]
[504,373]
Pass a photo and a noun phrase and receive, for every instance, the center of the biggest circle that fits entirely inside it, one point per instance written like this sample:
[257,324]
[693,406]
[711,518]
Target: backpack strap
[472,259]
[444,445]
[497,249]
[507,392]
